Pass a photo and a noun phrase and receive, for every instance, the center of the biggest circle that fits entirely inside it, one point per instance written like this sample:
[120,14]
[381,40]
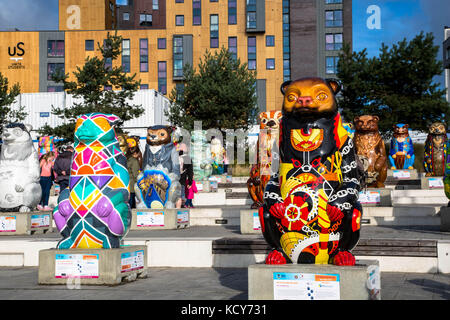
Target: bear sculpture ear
[113,120]
[376,118]
[29,127]
[356,119]
[335,85]
[284,86]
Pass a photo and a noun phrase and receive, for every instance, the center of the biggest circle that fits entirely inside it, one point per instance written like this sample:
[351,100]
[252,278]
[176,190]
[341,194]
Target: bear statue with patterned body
[370,146]
[158,183]
[401,154]
[261,171]
[434,153]
[19,170]
[94,212]
[311,212]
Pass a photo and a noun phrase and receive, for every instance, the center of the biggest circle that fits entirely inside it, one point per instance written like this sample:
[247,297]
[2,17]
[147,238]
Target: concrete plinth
[250,223]
[92,266]
[25,223]
[432,183]
[159,219]
[376,197]
[309,281]
[445,218]
[402,174]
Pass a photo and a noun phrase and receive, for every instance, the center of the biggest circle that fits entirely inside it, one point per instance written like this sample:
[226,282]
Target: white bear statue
[19,170]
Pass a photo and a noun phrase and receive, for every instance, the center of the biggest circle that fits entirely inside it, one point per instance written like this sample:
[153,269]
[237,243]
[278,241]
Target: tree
[7,98]
[397,85]
[90,89]
[221,94]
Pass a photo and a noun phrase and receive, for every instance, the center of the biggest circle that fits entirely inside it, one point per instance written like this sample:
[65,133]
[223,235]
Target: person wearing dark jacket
[62,167]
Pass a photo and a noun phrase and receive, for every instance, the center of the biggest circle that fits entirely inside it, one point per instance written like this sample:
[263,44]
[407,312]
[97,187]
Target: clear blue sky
[399,19]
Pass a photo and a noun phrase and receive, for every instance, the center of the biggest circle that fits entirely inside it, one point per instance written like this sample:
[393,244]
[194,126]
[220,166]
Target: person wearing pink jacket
[190,190]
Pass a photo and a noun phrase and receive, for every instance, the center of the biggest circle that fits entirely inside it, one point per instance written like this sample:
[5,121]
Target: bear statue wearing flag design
[311,212]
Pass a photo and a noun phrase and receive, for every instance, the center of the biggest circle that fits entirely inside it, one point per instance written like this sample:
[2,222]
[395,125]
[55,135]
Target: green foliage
[7,97]
[397,85]
[89,90]
[221,94]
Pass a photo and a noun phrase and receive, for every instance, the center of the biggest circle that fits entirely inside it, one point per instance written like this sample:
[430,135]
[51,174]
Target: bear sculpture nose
[304,101]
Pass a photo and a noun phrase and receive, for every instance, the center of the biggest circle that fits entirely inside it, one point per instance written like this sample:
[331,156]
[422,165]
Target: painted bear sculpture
[311,212]
[434,153]
[401,154]
[261,171]
[94,212]
[45,145]
[19,170]
[370,145]
[158,182]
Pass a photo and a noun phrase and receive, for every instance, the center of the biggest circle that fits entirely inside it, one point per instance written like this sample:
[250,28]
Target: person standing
[62,167]
[46,181]
[186,169]
[190,191]
[133,170]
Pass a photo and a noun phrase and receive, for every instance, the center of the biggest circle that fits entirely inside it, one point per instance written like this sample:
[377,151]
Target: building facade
[279,39]
[446,47]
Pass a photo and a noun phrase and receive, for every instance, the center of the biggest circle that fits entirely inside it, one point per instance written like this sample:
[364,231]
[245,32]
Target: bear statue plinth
[311,212]
[93,212]
[370,145]
[19,170]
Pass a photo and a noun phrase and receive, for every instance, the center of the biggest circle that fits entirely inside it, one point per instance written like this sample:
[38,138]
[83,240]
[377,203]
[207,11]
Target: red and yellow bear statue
[311,212]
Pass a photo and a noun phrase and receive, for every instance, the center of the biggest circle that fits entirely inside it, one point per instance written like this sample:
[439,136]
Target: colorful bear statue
[46,144]
[267,145]
[94,212]
[158,183]
[311,212]
[201,156]
[434,153]
[401,154]
[19,170]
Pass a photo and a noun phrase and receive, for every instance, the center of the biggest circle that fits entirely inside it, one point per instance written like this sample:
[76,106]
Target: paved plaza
[198,284]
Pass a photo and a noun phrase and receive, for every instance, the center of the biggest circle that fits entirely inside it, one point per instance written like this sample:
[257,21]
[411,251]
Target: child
[46,180]
[190,190]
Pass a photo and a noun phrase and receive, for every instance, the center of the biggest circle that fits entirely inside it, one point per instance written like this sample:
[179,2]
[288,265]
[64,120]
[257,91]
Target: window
[180,90]
[251,47]
[55,48]
[155,5]
[108,63]
[55,89]
[213,0]
[196,12]
[331,65]
[162,77]
[270,64]
[161,43]
[145,19]
[54,69]
[107,88]
[333,1]
[214,31]
[177,56]
[144,86]
[333,18]
[179,20]
[333,41]
[89,45]
[179,1]
[270,41]
[232,47]
[126,55]
[143,51]
[251,14]
[126,16]
[286,42]
[232,12]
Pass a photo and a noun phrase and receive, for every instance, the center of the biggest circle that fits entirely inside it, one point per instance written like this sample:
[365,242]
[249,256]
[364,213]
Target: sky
[398,19]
